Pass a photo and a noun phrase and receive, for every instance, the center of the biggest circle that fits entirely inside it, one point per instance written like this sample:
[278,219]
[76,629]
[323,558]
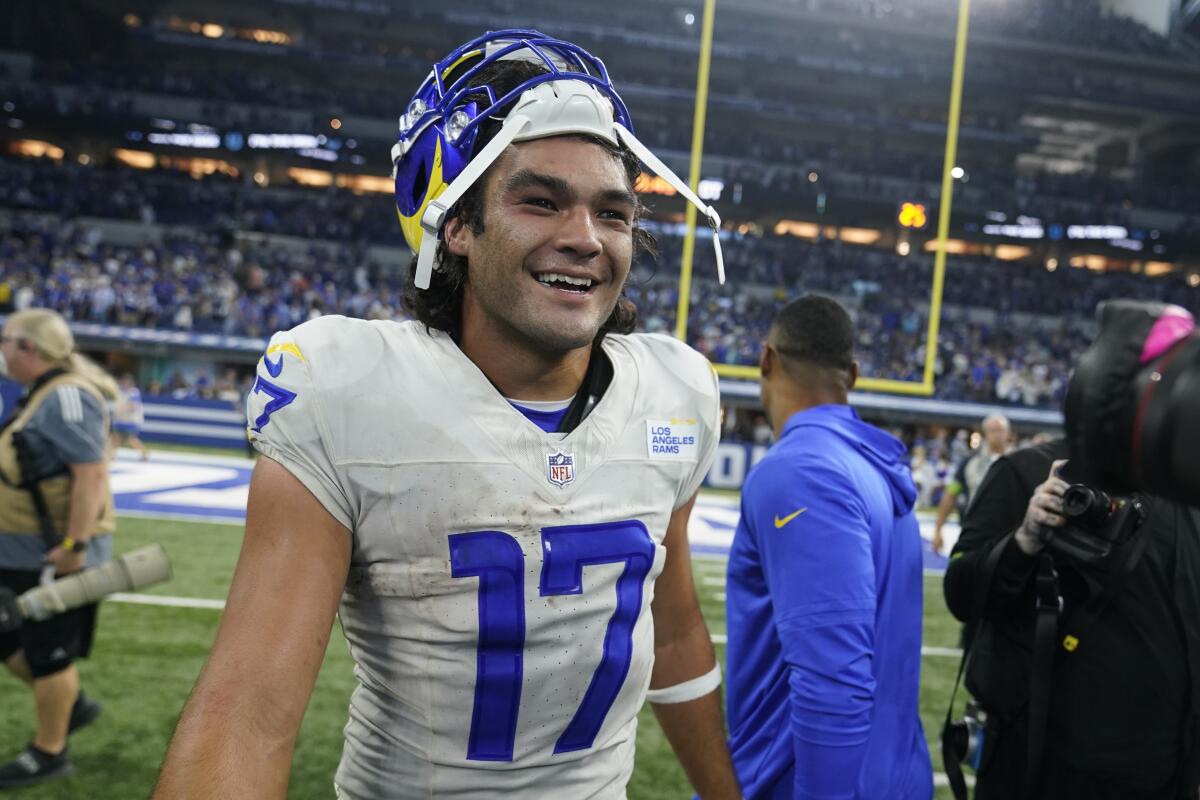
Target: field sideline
[147,658]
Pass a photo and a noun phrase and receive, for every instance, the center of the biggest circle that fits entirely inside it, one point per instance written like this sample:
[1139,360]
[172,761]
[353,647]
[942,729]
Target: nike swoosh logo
[274,368]
[779,523]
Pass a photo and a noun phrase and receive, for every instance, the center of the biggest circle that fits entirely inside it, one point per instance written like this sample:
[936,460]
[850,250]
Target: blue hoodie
[824,618]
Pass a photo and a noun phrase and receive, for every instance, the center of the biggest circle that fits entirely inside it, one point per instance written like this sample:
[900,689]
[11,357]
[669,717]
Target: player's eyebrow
[528,179]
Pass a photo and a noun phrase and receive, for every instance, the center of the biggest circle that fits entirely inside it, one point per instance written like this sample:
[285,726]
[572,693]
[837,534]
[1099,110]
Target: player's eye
[540,202]
[616,215]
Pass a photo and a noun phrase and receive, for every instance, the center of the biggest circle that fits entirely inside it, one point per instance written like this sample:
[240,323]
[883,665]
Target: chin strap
[435,213]
[664,172]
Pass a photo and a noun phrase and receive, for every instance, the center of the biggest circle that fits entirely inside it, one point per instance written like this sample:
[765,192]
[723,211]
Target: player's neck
[524,372]
[793,402]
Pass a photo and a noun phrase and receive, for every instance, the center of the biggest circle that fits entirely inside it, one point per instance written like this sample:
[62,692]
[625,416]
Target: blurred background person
[129,417]
[997,439]
[56,517]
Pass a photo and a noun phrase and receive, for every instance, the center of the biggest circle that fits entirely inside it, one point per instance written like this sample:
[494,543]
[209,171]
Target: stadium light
[912,215]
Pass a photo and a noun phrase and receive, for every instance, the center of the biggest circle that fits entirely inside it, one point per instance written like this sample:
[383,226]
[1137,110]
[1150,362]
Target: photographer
[56,517]
[1087,625]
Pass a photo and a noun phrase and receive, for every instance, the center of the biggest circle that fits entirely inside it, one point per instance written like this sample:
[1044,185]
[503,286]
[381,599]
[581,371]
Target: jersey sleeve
[814,540]
[710,427]
[285,417]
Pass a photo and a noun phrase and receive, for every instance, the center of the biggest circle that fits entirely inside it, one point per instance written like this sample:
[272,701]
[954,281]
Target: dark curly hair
[440,306]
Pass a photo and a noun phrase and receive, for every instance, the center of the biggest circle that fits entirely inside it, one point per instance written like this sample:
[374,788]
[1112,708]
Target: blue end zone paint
[213,488]
[156,497]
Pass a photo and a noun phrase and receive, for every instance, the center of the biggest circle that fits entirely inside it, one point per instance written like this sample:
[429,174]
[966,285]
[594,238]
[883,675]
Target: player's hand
[937,542]
[65,561]
[1045,510]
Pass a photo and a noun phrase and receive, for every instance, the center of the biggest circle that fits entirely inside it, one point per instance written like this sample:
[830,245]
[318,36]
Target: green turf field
[146,659]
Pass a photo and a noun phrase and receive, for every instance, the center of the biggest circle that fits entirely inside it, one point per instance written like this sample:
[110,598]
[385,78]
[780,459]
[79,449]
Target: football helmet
[435,161]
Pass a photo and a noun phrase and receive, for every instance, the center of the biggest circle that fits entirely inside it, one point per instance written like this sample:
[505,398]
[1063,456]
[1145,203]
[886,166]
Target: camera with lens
[967,737]
[1097,524]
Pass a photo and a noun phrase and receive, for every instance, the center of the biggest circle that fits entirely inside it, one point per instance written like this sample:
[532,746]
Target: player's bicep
[281,606]
[675,607]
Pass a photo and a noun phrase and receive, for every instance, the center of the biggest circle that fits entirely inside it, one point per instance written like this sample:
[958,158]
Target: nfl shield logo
[560,468]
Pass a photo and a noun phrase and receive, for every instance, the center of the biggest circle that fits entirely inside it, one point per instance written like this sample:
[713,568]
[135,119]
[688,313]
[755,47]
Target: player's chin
[564,329]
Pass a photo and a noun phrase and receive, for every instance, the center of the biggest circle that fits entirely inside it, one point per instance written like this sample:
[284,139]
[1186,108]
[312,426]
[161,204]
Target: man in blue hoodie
[824,589]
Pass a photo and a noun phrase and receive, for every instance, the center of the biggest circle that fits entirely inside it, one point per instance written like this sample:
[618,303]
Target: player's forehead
[584,166]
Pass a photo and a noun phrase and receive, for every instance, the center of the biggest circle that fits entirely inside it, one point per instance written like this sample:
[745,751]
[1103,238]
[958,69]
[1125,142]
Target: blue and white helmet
[434,161]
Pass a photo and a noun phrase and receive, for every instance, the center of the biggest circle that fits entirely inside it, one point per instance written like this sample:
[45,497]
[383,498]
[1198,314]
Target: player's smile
[569,285]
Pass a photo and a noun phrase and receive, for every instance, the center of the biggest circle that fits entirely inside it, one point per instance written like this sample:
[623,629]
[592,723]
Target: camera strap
[1047,636]
[951,758]
[1049,606]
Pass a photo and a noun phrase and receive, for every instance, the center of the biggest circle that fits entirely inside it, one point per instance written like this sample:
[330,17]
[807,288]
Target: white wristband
[688,690]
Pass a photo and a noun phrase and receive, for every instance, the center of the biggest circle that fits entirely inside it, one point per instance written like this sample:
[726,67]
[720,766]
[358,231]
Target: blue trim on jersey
[548,421]
[824,617]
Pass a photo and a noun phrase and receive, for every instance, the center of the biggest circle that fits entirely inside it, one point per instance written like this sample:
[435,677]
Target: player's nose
[578,234]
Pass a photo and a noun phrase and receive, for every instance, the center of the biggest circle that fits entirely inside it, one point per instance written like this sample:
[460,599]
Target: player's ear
[852,376]
[458,236]
[768,359]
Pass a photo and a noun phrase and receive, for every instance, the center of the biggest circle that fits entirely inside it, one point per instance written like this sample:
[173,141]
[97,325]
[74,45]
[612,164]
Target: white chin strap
[553,108]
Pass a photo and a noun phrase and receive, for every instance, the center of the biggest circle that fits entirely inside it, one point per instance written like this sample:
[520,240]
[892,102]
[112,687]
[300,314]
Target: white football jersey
[498,604]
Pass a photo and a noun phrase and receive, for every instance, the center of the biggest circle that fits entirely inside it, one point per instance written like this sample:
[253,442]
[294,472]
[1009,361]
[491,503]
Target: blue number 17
[496,559]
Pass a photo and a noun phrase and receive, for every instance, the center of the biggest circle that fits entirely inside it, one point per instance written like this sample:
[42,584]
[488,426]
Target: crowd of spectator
[170,197]
[190,281]
[219,201]
[1010,331]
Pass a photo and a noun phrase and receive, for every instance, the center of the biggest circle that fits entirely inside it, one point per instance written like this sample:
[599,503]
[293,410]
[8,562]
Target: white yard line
[173,602]
[218,605]
[945,652]
[940,779]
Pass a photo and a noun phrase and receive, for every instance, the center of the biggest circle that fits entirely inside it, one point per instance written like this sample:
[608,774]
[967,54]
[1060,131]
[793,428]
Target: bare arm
[945,506]
[683,651]
[237,731]
[87,500]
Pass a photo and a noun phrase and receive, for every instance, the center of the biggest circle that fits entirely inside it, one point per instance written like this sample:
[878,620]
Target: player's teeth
[551,277]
